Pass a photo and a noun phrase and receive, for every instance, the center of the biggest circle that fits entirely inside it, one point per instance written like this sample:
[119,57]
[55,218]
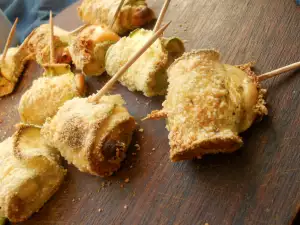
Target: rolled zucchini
[38,44]
[92,136]
[133,14]
[6,86]
[88,45]
[30,173]
[48,93]
[148,74]
[208,104]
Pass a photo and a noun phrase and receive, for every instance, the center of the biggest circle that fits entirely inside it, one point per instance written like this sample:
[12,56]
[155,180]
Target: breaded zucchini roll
[88,45]
[49,92]
[30,173]
[208,104]
[94,137]
[11,68]
[38,44]
[148,74]
[133,14]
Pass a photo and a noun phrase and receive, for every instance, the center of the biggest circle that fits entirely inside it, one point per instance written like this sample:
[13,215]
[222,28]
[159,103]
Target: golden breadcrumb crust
[92,136]
[208,105]
[30,173]
[46,95]
[148,74]
[133,14]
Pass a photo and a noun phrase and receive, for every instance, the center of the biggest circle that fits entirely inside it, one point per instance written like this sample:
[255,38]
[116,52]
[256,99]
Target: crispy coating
[38,44]
[133,14]
[208,105]
[30,173]
[34,47]
[13,65]
[88,46]
[47,94]
[6,86]
[11,68]
[92,136]
[148,73]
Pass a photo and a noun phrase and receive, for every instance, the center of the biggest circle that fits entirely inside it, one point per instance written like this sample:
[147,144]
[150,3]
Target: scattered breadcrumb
[141,130]
[125,206]
[138,147]
[73,200]
[100,210]
[153,149]
[126,180]
[122,185]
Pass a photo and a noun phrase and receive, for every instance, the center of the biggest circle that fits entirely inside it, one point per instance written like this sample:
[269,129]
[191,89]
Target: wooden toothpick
[117,13]
[9,39]
[161,15]
[279,71]
[52,57]
[123,69]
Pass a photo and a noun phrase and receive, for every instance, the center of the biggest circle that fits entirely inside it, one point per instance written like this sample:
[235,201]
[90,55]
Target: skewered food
[6,86]
[49,92]
[92,136]
[148,73]
[30,173]
[38,44]
[11,68]
[88,46]
[133,14]
[208,104]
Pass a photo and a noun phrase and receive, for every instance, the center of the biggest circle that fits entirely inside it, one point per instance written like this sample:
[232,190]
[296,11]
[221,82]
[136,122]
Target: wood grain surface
[259,184]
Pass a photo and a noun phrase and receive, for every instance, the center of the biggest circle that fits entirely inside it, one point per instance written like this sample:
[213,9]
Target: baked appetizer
[93,136]
[38,44]
[88,45]
[208,104]
[30,173]
[133,14]
[49,92]
[11,68]
[148,74]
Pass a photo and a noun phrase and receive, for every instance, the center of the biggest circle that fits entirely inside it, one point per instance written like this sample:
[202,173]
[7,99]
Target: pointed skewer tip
[10,37]
[124,68]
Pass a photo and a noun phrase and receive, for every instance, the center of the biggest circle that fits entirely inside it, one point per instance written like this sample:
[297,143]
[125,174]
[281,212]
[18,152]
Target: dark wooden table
[259,184]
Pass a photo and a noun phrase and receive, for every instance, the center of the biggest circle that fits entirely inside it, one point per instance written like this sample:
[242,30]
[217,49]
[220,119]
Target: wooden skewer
[117,13]
[79,29]
[52,57]
[9,39]
[112,81]
[279,71]
[161,15]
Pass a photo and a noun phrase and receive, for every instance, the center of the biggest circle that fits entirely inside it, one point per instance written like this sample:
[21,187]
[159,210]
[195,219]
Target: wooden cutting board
[259,184]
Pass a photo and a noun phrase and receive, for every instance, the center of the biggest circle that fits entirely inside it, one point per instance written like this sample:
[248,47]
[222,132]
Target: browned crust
[156,115]
[141,16]
[102,163]
[213,146]
[260,108]
[216,144]
[80,84]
